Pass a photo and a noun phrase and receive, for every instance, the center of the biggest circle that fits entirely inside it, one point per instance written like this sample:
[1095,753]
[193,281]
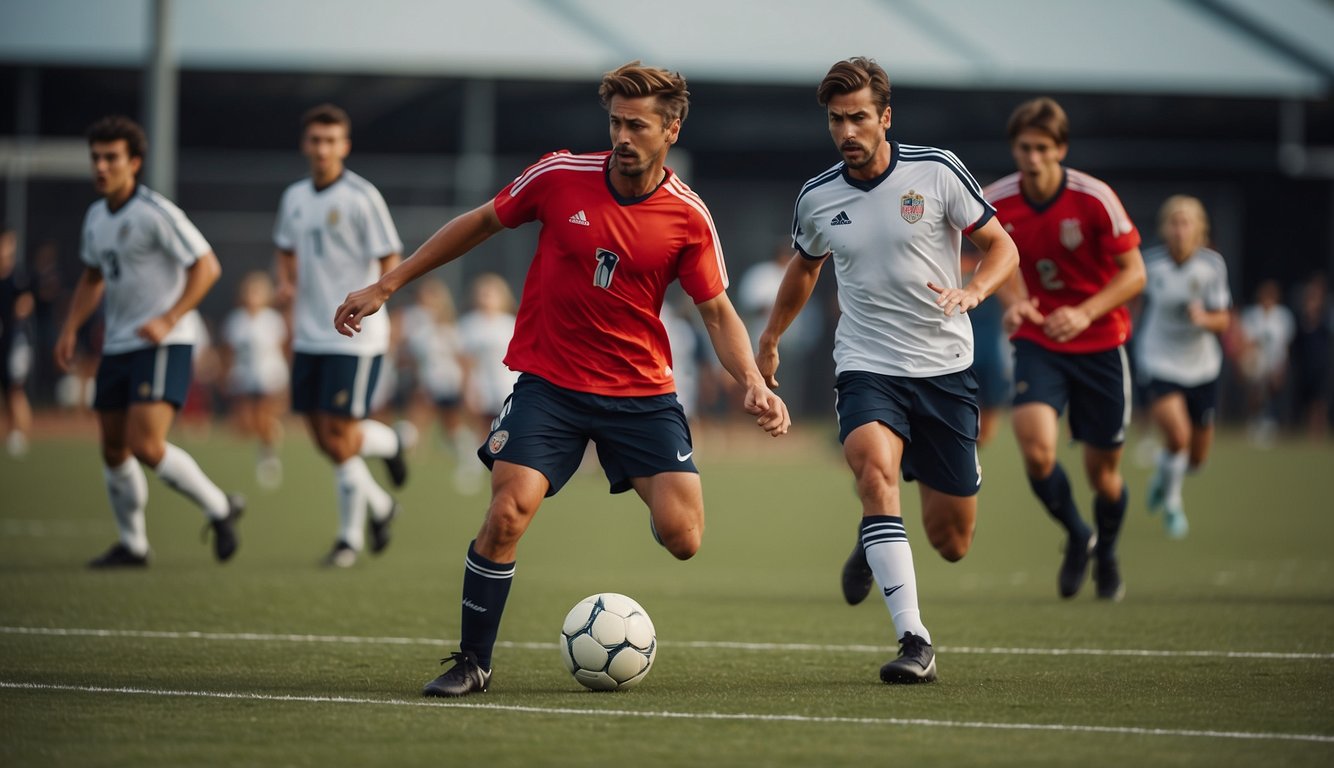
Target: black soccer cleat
[1075,565]
[379,530]
[916,662]
[1107,577]
[857,576]
[397,465]
[465,677]
[224,529]
[341,556]
[119,556]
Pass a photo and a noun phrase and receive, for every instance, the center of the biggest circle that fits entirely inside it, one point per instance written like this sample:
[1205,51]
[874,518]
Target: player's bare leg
[339,438]
[949,521]
[1037,428]
[676,509]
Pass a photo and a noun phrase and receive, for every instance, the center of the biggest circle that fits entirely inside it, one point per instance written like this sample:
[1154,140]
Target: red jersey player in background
[1080,263]
[618,227]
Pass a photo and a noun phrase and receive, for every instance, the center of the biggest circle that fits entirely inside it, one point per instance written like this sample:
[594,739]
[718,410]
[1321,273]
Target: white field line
[698,644]
[726,716]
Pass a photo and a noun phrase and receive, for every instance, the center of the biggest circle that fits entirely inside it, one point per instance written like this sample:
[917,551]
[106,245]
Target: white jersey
[435,349]
[486,339]
[339,234]
[888,237]
[1270,331]
[258,363]
[1169,346]
[142,250]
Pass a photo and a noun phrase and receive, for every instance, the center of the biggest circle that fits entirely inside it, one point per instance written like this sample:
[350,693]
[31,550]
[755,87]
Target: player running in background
[253,337]
[891,217]
[16,305]
[1187,304]
[617,228]
[153,266]
[485,332]
[333,234]
[432,343]
[1080,263]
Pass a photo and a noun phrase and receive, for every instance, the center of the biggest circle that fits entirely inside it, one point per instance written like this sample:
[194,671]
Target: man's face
[857,126]
[1036,153]
[639,138]
[113,169]
[325,146]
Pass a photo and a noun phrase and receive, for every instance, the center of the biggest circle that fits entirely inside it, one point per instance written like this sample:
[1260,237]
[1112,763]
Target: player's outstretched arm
[463,233]
[87,295]
[199,278]
[732,345]
[793,293]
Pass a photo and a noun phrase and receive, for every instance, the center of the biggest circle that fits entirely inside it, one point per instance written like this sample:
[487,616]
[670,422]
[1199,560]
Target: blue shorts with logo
[337,384]
[1201,400]
[547,428]
[1096,385]
[936,416]
[156,374]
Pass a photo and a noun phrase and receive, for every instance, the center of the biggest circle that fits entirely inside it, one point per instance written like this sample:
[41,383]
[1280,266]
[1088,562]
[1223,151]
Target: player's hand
[357,305]
[950,299]
[155,330]
[1065,323]
[770,410]
[767,361]
[284,293]
[1019,313]
[64,351]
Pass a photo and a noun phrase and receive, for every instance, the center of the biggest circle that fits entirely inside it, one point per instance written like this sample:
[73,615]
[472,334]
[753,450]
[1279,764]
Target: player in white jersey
[254,337]
[333,235]
[891,217]
[154,267]
[1187,304]
[485,332]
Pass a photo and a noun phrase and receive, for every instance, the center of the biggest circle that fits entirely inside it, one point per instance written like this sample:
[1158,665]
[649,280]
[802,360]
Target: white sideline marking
[703,644]
[741,716]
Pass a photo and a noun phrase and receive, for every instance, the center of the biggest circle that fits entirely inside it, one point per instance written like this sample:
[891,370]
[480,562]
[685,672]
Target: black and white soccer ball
[607,642]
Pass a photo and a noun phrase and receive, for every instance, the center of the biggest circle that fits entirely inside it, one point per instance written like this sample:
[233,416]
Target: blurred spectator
[16,307]
[486,332]
[1310,354]
[433,348]
[755,298]
[1268,328]
[254,337]
[685,344]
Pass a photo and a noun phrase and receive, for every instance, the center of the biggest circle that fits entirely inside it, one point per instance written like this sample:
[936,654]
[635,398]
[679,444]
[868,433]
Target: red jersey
[1067,252]
[588,320]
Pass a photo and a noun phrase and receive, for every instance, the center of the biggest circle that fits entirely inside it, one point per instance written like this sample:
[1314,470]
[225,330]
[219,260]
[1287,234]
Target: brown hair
[636,81]
[853,75]
[119,128]
[326,114]
[1040,114]
[1191,206]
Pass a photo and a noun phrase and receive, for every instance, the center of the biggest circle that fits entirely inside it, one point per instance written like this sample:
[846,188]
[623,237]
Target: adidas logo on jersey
[841,218]
[580,219]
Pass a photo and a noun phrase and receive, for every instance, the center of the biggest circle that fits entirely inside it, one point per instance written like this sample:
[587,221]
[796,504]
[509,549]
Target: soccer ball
[607,642]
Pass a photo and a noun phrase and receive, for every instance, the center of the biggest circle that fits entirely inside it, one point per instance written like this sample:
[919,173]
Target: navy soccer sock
[1108,515]
[1054,493]
[486,585]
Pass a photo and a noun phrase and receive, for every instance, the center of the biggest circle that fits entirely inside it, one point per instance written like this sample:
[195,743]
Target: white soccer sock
[179,470]
[890,558]
[1173,468]
[351,503]
[378,440]
[465,444]
[128,490]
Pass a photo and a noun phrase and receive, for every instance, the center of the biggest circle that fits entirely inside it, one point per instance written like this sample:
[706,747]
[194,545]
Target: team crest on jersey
[1071,235]
[497,442]
[333,217]
[911,207]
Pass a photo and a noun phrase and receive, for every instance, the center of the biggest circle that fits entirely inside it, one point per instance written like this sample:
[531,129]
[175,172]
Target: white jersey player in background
[254,338]
[333,235]
[891,217]
[434,347]
[485,331]
[154,267]
[1187,304]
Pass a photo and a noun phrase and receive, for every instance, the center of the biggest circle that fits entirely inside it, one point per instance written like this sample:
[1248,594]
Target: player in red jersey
[1080,263]
[618,227]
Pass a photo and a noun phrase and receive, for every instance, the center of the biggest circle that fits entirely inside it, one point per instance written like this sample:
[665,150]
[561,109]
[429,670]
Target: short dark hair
[1040,114]
[326,114]
[119,128]
[852,75]
[636,81]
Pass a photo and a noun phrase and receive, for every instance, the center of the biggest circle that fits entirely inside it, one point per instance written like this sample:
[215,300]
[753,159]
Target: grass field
[1221,654]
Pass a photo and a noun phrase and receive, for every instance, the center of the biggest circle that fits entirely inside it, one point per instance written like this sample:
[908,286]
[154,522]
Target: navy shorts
[1201,400]
[547,428]
[156,374]
[936,416]
[1096,385]
[337,384]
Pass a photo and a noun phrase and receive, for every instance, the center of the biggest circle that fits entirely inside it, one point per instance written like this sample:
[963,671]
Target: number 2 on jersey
[1049,274]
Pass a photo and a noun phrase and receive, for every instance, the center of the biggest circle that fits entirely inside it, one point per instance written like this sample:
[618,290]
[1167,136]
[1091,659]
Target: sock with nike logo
[890,558]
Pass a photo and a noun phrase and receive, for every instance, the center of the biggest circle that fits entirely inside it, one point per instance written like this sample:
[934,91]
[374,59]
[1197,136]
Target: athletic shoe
[1107,577]
[119,556]
[1174,521]
[857,576]
[1075,565]
[397,464]
[269,473]
[224,529]
[465,677]
[341,556]
[916,662]
[380,530]
[1157,491]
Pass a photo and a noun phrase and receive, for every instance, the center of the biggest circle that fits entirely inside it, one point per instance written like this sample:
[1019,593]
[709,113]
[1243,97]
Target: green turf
[326,665]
